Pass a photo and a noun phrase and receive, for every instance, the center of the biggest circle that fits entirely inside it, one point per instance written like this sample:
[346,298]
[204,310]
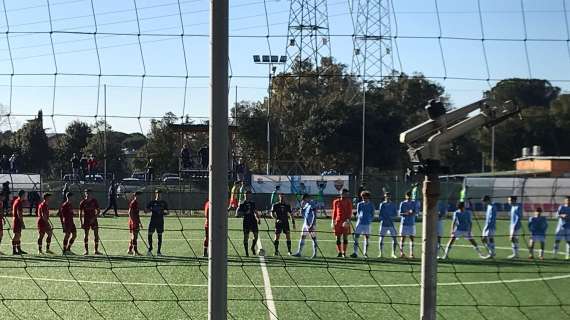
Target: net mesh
[122,66]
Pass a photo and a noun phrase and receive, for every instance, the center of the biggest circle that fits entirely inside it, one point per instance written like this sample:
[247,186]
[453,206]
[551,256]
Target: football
[261,252]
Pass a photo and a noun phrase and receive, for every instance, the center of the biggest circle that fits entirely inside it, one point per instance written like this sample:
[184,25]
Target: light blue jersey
[491,217]
[309,214]
[364,213]
[462,220]
[516,216]
[388,212]
[563,223]
[405,207]
[537,226]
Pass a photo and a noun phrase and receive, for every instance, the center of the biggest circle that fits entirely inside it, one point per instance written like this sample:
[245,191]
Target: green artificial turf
[117,286]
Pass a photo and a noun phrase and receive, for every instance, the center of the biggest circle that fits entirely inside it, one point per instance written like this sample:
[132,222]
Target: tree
[112,152]
[538,127]
[77,134]
[134,141]
[161,146]
[318,120]
[32,142]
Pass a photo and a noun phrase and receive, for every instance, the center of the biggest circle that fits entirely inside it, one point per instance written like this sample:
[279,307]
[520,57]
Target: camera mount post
[424,144]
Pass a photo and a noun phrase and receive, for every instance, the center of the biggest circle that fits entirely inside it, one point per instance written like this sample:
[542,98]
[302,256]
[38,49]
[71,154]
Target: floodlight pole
[429,241]
[218,166]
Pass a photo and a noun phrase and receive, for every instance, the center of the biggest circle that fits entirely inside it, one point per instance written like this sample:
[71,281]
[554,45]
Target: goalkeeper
[341,214]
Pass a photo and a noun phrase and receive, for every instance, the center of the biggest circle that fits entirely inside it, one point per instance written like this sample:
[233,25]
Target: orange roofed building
[555,167]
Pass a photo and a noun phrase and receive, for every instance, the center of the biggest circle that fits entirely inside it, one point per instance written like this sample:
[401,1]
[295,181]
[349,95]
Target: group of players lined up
[341,224]
[89,211]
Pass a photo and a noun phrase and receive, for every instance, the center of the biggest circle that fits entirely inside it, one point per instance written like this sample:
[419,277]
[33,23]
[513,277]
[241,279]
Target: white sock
[365,251]
[301,245]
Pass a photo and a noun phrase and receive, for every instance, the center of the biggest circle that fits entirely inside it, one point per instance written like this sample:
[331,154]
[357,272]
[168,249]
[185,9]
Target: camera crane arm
[425,140]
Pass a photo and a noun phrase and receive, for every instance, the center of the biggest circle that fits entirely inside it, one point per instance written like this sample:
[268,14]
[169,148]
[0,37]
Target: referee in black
[281,211]
[251,219]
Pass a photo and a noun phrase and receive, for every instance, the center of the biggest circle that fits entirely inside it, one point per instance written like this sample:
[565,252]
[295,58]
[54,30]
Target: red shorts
[339,230]
[69,227]
[233,203]
[17,225]
[134,226]
[90,223]
[43,227]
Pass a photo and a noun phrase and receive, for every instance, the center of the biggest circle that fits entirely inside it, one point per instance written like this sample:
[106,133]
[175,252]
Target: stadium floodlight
[424,144]
[271,61]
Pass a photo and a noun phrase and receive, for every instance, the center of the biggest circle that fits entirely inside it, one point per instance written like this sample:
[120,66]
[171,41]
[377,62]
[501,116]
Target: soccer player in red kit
[342,212]
[206,238]
[88,212]
[43,224]
[69,229]
[18,222]
[134,224]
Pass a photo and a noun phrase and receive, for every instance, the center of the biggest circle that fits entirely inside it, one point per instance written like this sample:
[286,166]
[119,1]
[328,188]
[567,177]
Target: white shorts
[489,233]
[407,230]
[562,234]
[362,229]
[537,238]
[462,234]
[308,231]
[440,228]
[391,230]
[514,232]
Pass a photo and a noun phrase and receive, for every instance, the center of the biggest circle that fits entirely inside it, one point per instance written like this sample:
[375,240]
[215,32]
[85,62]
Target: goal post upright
[218,162]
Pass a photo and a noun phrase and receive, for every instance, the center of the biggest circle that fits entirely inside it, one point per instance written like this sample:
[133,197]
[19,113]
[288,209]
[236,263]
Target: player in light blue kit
[563,228]
[441,215]
[309,212]
[408,212]
[537,226]
[516,224]
[490,227]
[364,216]
[388,212]
[461,227]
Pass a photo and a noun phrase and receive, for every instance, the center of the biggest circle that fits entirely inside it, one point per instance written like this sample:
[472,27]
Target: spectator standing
[150,170]
[34,200]
[91,165]
[6,196]
[13,163]
[112,198]
[75,164]
[186,157]
[204,154]
[5,164]
[83,166]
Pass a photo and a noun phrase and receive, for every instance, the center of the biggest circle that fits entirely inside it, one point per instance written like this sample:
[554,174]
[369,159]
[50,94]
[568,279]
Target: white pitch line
[267,285]
[189,285]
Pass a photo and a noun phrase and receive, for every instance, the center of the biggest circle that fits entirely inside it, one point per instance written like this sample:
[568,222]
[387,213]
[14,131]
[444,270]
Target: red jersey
[134,212]
[17,208]
[206,213]
[66,211]
[43,211]
[89,207]
[342,210]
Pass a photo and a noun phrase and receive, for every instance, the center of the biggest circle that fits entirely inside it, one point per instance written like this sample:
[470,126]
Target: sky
[50,58]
